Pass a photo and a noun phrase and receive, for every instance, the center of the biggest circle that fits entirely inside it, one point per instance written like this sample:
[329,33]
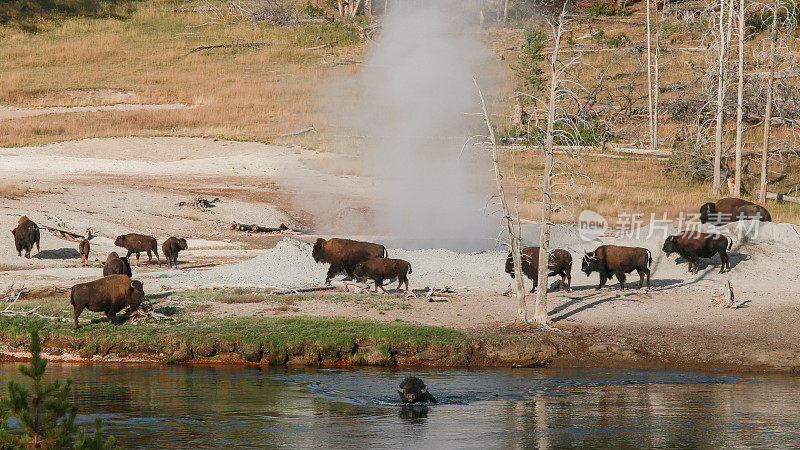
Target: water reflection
[177,406]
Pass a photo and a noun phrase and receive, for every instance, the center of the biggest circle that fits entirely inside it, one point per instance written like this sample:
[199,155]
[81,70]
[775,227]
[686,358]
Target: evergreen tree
[529,67]
[45,413]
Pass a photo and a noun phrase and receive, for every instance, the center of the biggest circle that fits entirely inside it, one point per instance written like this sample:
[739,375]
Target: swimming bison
[344,254]
[115,265]
[560,263]
[171,247]
[413,390]
[729,210]
[693,245]
[109,294]
[137,243]
[610,260]
[26,234]
[380,269]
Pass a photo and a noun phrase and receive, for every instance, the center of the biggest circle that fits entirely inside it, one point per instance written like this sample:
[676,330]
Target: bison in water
[26,234]
[109,294]
[610,260]
[344,254]
[559,263]
[115,265]
[729,210]
[137,243]
[83,248]
[171,247]
[380,269]
[413,390]
[693,245]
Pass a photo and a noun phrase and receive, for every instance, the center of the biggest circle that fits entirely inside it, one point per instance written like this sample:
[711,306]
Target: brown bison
[109,294]
[83,248]
[729,210]
[137,243]
[610,260]
[693,245]
[115,265]
[559,263]
[344,254]
[171,247]
[413,390]
[26,234]
[380,269]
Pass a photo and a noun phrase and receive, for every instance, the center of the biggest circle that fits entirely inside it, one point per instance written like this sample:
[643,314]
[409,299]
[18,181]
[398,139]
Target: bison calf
[380,269]
[413,390]
[345,254]
[26,234]
[610,260]
[115,265]
[83,248]
[731,209]
[171,247]
[693,245]
[109,294]
[559,263]
[137,243]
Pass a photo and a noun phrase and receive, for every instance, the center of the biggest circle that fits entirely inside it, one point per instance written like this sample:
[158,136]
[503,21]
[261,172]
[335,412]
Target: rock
[182,354]
[251,352]
[87,351]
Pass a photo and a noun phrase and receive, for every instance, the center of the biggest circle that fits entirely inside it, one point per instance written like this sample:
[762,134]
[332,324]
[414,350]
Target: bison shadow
[60,253]
[413,413]
[715,261]
[576,300]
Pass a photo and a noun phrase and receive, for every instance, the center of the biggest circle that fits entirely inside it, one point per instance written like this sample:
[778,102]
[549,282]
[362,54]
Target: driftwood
[302,290]
[259,229]
[200,202]
[67,235]
[325,45]
[782,198]
[298,132]
[242,45]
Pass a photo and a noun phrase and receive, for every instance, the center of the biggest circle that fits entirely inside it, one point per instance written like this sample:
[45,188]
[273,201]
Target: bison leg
[38,251]
[149,257]
[603,279]
[155,250]
[726,262]
[77,312]
[28,252]
[569,281]
[112,317]
[332,271]
[642,273]
[621,278]
[138,263]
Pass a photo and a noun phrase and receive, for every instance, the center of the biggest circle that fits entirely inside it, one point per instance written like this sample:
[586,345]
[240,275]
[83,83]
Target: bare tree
[762,195]
[737,180]
[512,222]
[721,75]
[348,8]
[651,119]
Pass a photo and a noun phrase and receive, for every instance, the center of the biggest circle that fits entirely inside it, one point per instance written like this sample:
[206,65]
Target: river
[196,406]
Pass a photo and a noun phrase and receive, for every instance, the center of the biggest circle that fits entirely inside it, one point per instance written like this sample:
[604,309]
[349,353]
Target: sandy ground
[10,112]
[126,185]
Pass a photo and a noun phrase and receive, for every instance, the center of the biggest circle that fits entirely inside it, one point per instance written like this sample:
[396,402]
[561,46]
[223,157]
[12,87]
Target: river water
[189,407]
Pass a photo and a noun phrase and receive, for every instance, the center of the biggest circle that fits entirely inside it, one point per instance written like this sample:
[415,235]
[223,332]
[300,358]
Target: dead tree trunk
[510,222]
[737,180]
[649,77]
[720,100]
[656,80]
[762,195]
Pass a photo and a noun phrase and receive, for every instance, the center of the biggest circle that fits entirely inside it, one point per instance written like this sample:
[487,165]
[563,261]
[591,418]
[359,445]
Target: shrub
[617,40]
[528,68]
[607,8]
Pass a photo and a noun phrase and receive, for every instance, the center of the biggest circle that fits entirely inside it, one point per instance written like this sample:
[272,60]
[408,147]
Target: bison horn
[424,390]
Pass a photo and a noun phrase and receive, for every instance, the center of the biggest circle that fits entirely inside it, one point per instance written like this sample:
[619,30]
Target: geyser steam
[414,96]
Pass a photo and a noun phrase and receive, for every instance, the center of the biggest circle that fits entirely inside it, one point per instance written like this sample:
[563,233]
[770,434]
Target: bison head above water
[590,263]
[319,250]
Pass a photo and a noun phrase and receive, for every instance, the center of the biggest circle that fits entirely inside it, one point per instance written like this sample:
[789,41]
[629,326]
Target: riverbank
[198,327]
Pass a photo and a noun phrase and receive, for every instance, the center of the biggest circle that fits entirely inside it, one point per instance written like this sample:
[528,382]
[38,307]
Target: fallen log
[302,290]
[242,45]
[66,235]
[782,198]
[259,229]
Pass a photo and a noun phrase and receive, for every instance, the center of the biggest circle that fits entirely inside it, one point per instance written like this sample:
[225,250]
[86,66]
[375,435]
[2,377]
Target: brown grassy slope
[239,93]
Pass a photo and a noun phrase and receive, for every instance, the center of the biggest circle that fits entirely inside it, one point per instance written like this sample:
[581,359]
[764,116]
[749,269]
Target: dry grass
[241,94]
[12,190]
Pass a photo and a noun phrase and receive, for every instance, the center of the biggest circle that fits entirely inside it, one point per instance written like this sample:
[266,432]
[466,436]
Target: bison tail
[409,268]
[649,257]
[386,255]
[72,296]
[730,242]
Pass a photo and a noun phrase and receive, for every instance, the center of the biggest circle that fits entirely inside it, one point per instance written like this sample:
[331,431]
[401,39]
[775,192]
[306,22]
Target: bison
[413,390]
[729,210]
[611,260]
[171,247]
[693,245]
[137,243]
[115,265]
[109,294]
[83,248]
[26,234]
[559,263]
[380,269]
[344,254]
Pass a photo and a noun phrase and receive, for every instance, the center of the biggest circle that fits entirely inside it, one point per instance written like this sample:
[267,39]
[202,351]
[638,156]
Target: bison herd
[365,260]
